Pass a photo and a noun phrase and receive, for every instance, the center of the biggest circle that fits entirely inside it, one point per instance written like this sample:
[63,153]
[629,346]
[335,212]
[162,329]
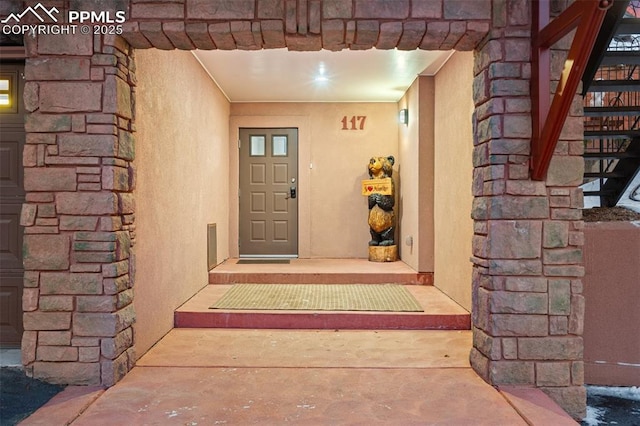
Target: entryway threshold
[318,271]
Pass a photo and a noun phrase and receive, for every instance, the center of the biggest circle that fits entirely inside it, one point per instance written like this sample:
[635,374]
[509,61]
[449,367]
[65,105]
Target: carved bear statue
[381,216]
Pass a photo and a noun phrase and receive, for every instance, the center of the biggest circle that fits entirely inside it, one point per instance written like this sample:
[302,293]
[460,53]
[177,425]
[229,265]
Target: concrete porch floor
[208,376]
[314,377]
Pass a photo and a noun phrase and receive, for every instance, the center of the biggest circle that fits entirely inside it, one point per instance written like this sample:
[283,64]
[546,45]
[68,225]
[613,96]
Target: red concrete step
[319,271]
[440,313]
[317,278]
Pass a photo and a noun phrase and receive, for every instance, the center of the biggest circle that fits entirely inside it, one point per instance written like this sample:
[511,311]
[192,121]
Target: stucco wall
[332,211]
[612,313]
[182,162]
[453,177]
[416,142]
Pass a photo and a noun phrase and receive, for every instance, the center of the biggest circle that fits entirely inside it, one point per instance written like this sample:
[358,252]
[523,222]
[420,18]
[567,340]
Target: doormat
[319,297]
[262,261]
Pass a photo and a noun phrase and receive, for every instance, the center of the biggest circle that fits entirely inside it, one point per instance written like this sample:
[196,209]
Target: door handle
[292,192]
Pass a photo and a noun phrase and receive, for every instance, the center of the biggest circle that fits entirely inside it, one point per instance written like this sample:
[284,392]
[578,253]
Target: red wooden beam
[548,120]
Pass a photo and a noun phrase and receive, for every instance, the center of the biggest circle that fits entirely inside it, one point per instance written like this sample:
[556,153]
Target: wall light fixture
[403,116]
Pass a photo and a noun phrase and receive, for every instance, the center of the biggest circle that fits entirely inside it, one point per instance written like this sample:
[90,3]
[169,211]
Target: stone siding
[78,215]
[528,306]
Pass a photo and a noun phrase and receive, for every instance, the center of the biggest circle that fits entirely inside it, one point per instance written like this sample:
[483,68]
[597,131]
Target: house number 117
[356,122]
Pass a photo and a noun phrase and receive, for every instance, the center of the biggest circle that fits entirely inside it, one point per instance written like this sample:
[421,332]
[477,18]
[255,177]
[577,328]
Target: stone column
[527,247]
[78,215]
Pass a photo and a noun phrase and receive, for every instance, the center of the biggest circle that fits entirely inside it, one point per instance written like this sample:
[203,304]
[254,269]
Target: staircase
[440,312]
[612,106]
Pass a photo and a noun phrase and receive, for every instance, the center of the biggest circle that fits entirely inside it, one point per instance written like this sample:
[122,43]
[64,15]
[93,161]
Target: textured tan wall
[416,175]
[453,177]
[612,312]
[408,136]
[182,157]
[333,213]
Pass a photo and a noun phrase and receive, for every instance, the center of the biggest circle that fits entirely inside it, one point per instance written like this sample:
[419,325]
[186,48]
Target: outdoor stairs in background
[440,312]
[618,179]
[611,86]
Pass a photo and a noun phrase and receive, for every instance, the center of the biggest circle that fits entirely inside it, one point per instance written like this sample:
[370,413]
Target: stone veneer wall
[79,210]
[527,307]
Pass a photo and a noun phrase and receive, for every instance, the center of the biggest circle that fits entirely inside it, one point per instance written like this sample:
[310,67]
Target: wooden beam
[553,31]
[548,120]
[540,79]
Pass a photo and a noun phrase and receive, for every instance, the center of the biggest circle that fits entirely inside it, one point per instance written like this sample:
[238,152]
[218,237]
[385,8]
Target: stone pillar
[527,247]
[78,215]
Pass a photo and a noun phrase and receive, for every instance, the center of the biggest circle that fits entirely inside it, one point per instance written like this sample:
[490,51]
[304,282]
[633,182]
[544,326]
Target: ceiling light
[321,76]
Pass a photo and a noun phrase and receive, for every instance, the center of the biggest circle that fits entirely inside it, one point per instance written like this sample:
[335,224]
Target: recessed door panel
[258,174]
[281,202]
[10,237]
[258,231]
[9,166]
[280,231]
[280,174]
[258,202]
[268,192]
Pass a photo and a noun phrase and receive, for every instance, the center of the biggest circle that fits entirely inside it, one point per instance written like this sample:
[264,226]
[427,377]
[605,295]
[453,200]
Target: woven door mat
[319,297]
[262,261]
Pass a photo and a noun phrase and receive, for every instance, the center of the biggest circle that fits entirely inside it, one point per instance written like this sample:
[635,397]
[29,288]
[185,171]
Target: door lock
[292,192]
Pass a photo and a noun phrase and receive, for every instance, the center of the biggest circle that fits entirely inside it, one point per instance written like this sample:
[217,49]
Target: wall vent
[212,246]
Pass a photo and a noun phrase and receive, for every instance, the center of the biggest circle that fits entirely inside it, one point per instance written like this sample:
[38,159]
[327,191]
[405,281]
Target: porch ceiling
[280,75]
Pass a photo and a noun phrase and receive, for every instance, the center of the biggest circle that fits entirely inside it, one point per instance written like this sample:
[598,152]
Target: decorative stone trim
[308,24]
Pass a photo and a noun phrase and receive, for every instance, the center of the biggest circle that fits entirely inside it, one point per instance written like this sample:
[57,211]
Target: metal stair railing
[614,124]
[612,105]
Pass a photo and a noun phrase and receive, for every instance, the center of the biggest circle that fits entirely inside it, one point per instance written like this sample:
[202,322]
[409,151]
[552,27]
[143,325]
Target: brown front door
[12,138]
[268,192]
